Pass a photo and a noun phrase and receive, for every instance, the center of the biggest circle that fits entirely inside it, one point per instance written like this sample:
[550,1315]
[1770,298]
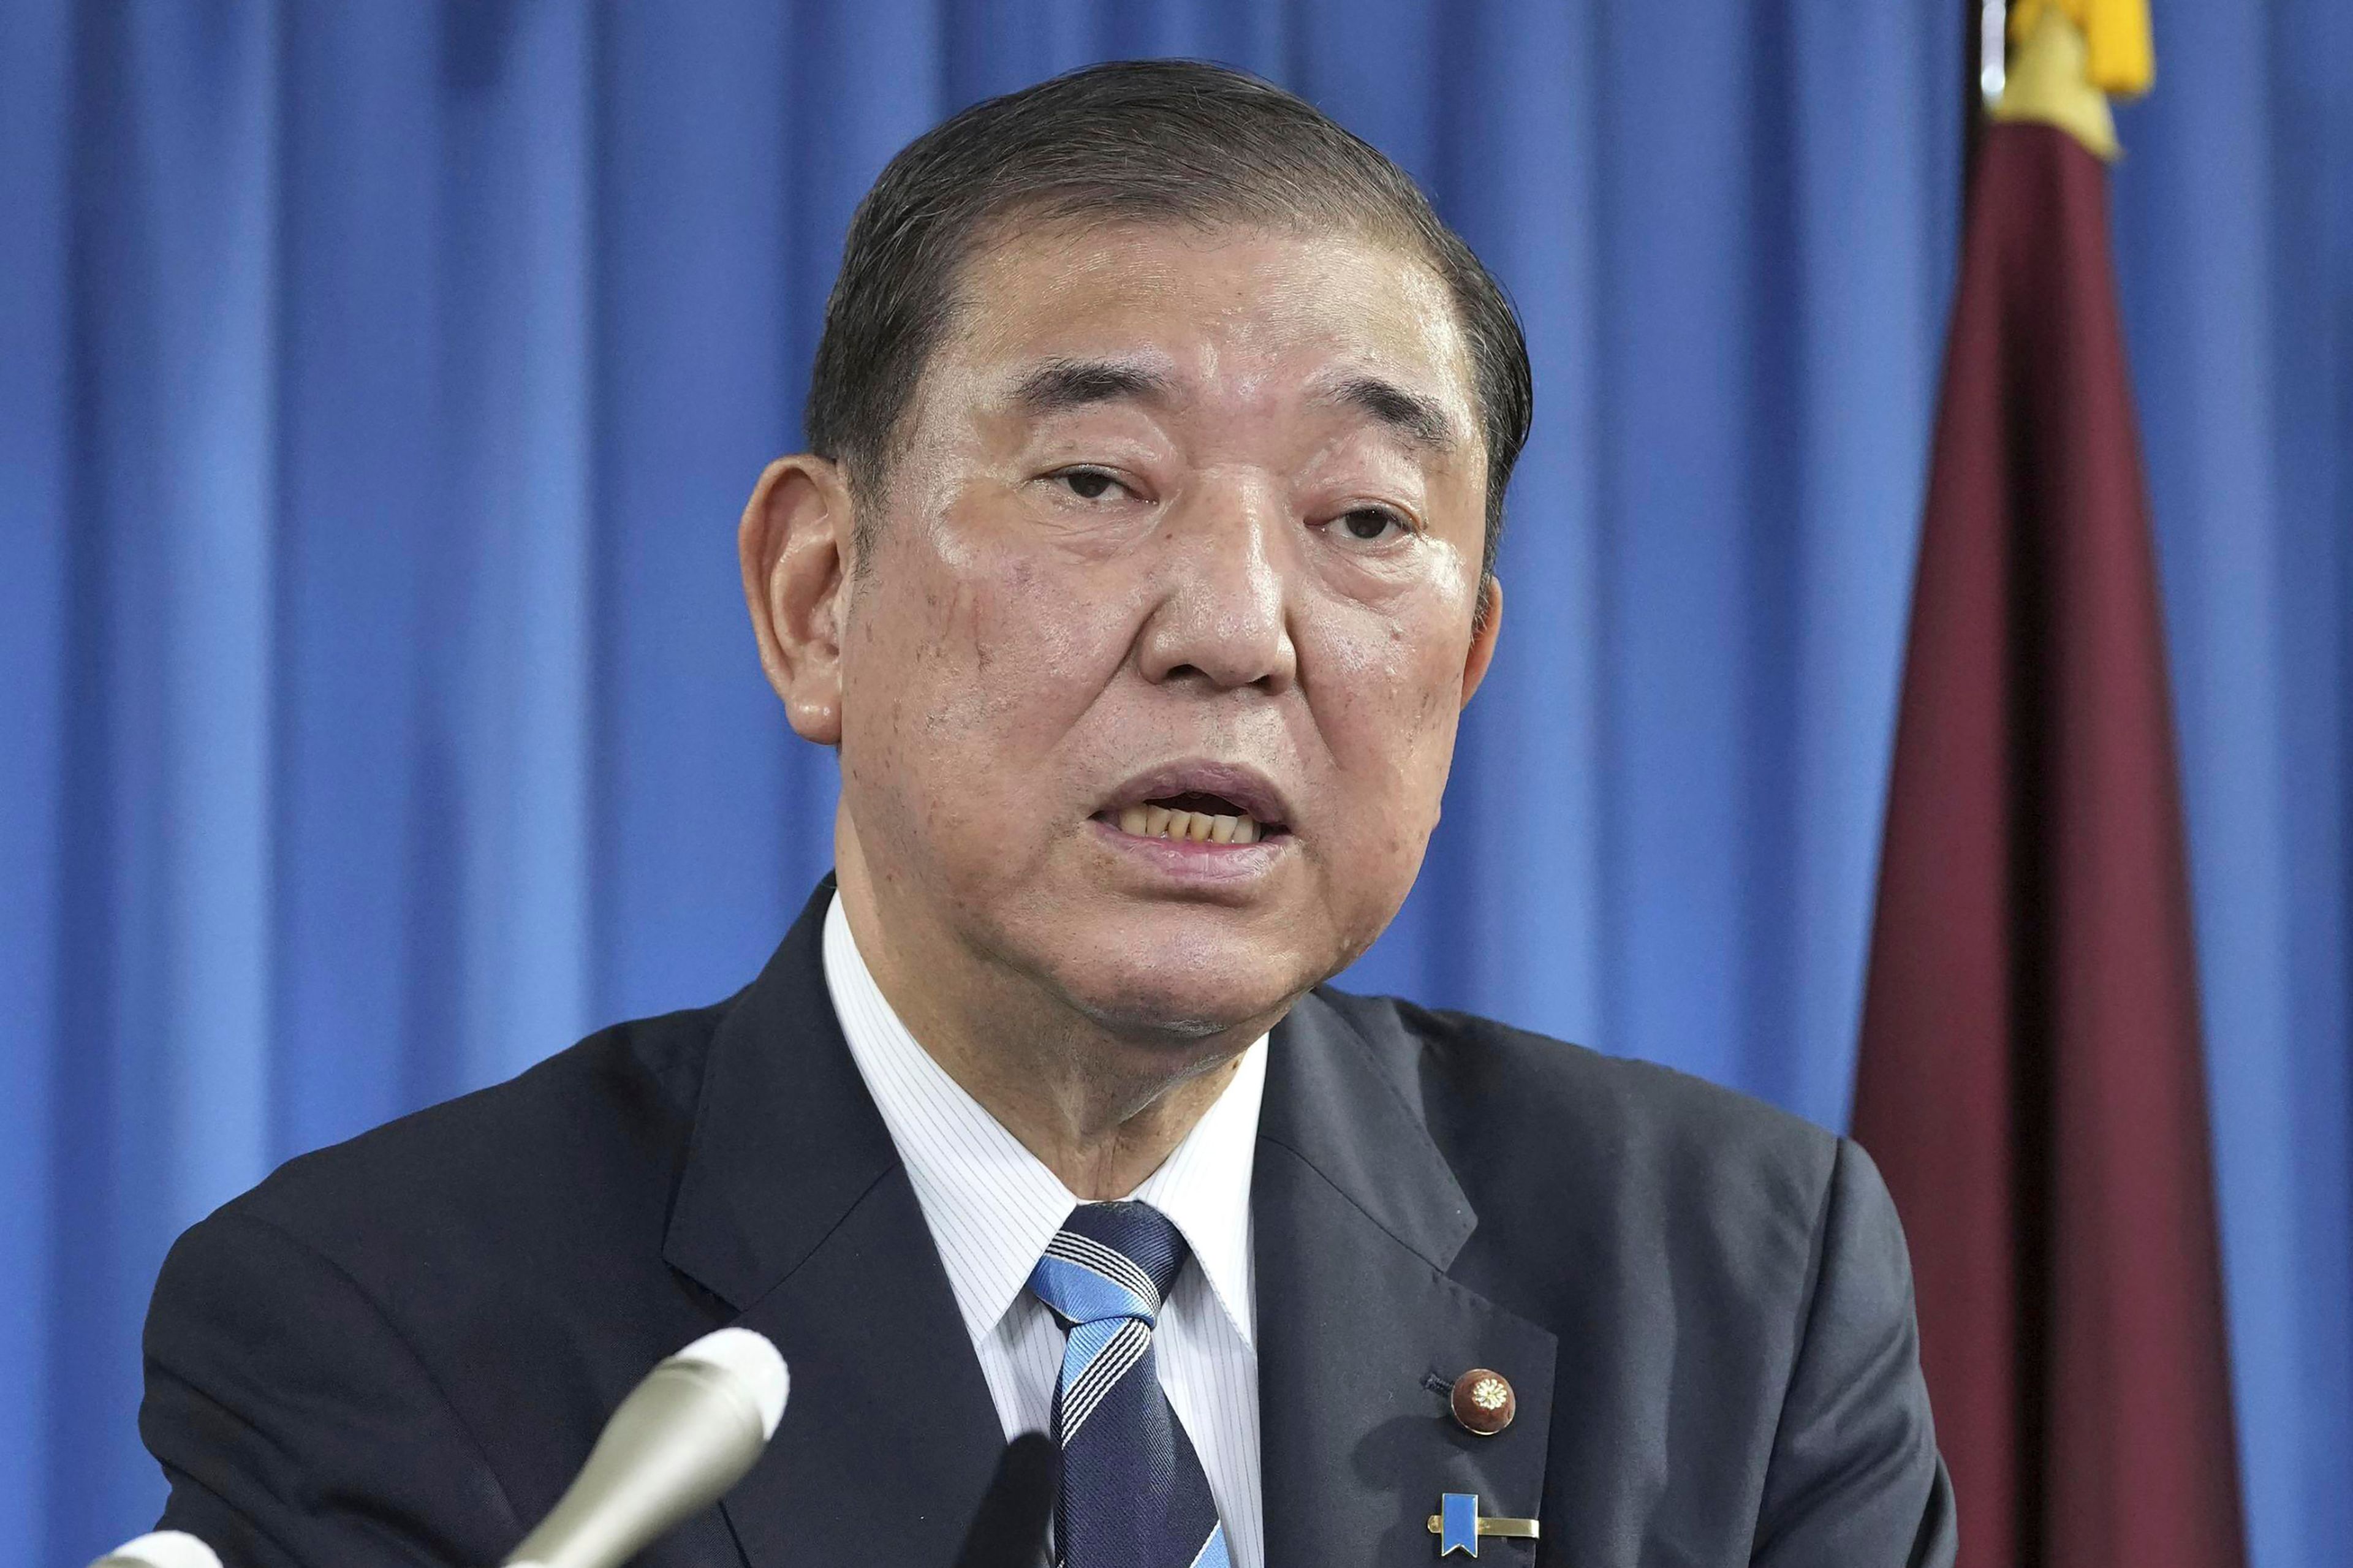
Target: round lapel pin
[1482,1401]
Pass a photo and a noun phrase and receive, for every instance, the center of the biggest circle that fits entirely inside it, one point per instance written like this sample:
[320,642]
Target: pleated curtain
[380,384]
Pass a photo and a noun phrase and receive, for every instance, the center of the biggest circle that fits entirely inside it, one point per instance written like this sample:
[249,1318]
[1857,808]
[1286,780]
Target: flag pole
[1984,24]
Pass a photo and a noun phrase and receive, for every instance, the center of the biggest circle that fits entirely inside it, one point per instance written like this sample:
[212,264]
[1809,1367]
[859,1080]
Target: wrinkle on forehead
[1069,288]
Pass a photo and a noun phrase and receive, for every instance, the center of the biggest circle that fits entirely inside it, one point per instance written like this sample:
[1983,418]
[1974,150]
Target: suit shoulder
[440,1307]
[565,1147]
[1486,1088]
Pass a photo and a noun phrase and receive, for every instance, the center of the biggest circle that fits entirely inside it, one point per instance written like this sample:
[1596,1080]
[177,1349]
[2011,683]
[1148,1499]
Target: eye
[1373,524]
[1087,484]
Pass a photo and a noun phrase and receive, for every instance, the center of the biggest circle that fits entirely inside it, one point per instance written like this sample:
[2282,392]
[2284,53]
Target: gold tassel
[2119,57]
[2071,56]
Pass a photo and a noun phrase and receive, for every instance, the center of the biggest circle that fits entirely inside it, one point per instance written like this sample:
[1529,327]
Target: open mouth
[1196,817]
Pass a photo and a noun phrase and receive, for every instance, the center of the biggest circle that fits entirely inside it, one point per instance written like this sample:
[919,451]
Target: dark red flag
[2031,1081]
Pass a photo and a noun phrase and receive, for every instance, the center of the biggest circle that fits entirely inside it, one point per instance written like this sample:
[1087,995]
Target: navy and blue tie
[1133,1494]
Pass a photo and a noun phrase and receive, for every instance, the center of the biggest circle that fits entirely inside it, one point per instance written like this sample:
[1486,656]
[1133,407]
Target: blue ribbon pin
[1458,1526]
[1457,1523]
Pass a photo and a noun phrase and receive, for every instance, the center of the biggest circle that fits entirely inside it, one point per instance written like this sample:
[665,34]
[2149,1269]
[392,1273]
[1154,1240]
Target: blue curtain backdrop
[379,385]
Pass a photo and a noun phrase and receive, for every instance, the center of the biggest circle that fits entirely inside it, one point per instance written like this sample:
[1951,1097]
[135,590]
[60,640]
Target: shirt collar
[991,1205]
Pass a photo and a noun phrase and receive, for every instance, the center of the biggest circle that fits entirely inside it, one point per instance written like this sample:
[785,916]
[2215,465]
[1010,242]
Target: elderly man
[1140,567]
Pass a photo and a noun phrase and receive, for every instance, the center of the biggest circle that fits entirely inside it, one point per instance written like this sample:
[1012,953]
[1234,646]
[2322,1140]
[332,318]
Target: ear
[795,547]
[1484,628]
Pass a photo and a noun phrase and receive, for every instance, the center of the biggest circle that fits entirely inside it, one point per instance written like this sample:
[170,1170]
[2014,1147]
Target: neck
[1100,1107]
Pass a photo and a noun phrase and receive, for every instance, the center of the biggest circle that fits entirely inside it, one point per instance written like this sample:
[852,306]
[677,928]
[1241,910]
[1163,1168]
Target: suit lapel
[1356,1217]
[891,1436]
[794,1209]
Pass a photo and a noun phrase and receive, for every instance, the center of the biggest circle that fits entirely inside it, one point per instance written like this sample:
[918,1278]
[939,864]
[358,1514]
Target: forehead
[1252,310]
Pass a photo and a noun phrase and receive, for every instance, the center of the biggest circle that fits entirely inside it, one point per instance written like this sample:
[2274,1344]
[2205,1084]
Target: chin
[1183,997]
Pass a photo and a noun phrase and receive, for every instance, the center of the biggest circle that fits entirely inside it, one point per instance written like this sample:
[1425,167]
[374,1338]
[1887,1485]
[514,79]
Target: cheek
[1395,695]
[1051,630]
[1391,732]
[997,649]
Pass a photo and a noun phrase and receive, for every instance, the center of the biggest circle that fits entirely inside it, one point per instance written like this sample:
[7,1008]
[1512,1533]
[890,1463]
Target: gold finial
[2073,55]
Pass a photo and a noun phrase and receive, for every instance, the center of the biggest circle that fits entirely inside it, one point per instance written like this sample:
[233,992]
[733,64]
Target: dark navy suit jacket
[398,1350]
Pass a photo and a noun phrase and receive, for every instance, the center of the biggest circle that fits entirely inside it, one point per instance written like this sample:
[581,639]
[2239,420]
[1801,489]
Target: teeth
[1194,826]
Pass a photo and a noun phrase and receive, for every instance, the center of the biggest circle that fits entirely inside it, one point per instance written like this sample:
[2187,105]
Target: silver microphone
[681,1437]
[163,1549]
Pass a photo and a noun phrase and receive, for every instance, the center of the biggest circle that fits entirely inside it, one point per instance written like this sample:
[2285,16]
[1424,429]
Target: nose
[1220,617]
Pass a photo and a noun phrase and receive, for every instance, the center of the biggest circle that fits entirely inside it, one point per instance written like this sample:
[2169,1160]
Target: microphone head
[688,1431]
[754,1358]
[163,1549]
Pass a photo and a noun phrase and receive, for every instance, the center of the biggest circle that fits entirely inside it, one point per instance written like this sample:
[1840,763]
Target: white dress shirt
[993,1206]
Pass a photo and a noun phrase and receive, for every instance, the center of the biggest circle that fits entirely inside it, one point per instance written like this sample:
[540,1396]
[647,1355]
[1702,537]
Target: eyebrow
[1063,384]
[1418,419]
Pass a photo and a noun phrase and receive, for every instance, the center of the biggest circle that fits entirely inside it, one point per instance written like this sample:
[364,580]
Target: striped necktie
[1133,1494]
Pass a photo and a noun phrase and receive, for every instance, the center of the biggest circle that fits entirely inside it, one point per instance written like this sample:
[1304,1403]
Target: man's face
[1186,525]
